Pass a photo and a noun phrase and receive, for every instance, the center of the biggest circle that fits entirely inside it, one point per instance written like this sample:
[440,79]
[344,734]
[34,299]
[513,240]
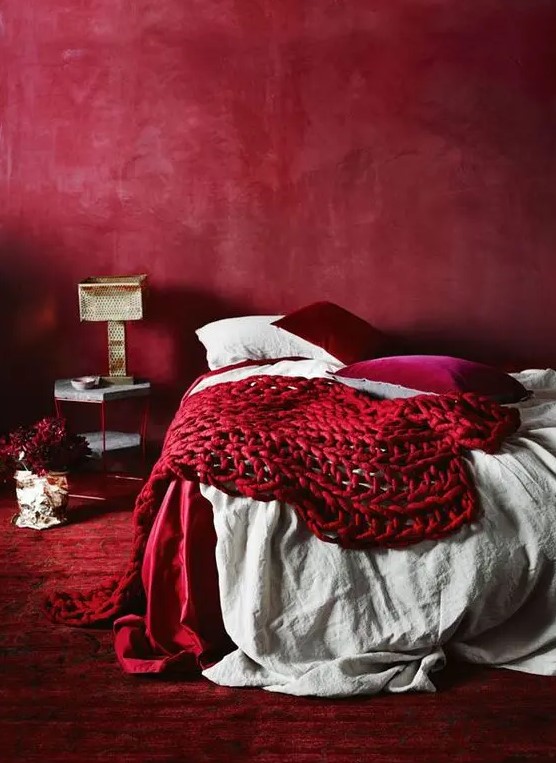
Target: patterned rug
[64,699]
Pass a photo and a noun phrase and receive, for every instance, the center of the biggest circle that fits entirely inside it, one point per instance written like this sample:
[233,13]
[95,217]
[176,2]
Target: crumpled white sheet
[310,618]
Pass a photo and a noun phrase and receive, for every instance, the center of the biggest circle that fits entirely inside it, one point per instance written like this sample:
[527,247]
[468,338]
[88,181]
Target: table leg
[143,431]
[103,430]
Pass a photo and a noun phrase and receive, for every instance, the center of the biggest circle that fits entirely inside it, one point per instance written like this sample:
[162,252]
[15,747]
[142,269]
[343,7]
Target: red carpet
[64,698]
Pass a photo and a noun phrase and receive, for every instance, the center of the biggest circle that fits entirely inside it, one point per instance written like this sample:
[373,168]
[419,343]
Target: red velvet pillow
[439,374]
[334,329]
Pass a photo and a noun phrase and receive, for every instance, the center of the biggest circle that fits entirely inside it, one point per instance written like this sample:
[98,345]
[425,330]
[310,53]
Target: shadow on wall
[32,318]
[165,349]
[43,339]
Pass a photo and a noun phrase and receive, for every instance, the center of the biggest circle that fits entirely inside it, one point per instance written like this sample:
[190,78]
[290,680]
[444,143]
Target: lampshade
[114,299]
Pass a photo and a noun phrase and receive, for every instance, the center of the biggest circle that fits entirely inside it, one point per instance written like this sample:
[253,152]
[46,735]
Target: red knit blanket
[359,472]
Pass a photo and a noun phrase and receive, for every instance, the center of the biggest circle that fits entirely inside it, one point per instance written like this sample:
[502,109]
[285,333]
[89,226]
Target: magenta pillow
[336,330]
[439,374]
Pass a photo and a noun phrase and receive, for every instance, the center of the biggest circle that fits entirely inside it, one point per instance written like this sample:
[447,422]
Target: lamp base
[117,380]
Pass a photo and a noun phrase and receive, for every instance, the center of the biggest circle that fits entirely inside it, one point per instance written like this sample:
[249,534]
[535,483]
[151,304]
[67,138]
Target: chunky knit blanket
[359,472]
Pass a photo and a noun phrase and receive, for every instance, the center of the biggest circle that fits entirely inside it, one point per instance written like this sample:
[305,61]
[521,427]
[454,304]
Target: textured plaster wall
[398,157]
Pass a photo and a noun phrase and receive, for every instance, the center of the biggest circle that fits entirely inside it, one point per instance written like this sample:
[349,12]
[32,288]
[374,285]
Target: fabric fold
[182,628]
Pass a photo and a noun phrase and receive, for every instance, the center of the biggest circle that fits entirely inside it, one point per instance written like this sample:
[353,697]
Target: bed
[248,591]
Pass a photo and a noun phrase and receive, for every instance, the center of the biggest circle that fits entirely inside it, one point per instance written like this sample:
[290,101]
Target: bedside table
[103,441]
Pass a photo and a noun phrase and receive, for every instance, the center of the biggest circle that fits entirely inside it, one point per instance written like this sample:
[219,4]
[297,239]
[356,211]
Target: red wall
[395,156]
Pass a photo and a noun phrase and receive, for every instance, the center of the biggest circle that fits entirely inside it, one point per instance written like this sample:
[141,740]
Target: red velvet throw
[358,471]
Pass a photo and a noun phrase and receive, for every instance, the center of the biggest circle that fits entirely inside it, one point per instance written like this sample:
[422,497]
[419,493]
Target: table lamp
[114,299]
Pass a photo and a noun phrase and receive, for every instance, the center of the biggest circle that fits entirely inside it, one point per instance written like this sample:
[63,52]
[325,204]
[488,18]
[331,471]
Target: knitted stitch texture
[358,471]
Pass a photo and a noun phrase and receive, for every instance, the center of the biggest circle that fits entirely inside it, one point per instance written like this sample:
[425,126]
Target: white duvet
[310,618]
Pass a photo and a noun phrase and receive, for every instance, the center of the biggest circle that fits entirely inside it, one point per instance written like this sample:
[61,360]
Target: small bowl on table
[85,382]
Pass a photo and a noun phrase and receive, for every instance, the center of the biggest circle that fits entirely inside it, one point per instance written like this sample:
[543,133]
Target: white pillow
[253,337]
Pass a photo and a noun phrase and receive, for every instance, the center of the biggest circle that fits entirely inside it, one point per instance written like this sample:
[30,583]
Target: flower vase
[42,499]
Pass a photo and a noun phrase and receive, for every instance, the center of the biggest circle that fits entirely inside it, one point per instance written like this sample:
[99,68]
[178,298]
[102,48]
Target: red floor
[64,698]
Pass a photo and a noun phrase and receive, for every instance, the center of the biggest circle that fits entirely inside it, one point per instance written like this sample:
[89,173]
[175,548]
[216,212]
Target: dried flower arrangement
[43,447]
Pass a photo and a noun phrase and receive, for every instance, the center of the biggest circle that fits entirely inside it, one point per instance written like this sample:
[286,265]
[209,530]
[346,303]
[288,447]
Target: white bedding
[310,618]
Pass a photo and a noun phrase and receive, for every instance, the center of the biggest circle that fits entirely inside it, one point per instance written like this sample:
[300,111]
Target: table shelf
[114,441]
